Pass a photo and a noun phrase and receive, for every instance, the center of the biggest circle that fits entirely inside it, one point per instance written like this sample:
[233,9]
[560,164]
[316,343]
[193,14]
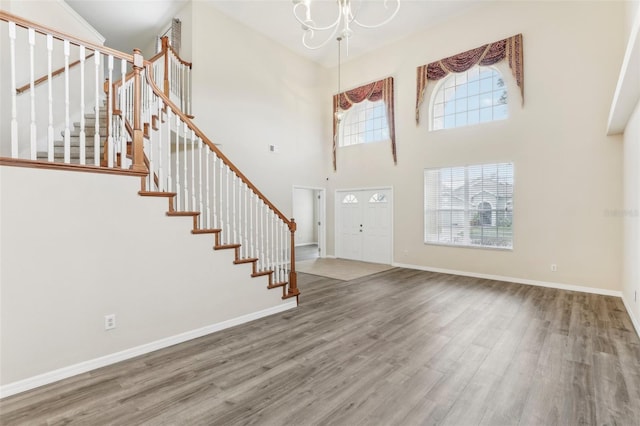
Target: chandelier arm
[321,45]
[395,12]
[307,25]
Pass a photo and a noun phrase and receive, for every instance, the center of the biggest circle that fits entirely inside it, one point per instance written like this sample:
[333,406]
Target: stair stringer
[78,246]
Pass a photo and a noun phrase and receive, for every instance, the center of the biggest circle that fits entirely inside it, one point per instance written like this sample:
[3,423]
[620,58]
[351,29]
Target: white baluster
[168,133]
[227,187]
[109,147]
[124,106]
[239,215]
[170,76]
[150,157]
[182,91]
[14,109]
[280,246]
[193,171]
[50,148]
[234,216]
[213,185]
[208,206]
[262,256]
[67,118]
[269,241]
[188,89]
[178,187]
[32,126]
[254,228]
[200,172]
[276,245]
[83,141]
[161,180]
[247,206]
[185,166]
[96,136]
[220,194]
[285,245]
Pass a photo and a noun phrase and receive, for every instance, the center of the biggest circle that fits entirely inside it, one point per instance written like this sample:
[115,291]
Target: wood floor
[401,347]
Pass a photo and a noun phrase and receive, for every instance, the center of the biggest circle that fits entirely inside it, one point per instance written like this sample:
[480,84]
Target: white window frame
[362,122]
[462,234]
[441,86]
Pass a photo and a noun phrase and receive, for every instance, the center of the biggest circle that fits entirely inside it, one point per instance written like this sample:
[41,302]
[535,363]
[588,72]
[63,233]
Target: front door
[363,219]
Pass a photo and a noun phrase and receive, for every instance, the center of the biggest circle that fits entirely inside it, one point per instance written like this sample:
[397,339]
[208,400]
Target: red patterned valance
[382,89]
[489,54]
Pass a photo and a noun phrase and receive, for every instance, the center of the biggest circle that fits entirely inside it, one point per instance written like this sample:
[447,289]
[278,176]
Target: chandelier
[341,26]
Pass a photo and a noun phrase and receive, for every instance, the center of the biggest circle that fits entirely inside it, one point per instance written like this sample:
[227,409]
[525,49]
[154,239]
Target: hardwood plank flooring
[400,347]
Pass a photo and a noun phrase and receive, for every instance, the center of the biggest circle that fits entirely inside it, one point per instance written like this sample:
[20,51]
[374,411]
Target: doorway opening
[309,211]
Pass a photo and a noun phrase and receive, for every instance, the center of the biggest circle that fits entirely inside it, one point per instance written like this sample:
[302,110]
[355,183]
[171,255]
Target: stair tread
[206,231]
[276,285]
[261,273]
[226,246]
[183,213]
[156,194]
[290,295]
[246,260]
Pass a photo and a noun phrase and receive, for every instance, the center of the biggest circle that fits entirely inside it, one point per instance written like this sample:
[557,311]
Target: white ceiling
[129,24]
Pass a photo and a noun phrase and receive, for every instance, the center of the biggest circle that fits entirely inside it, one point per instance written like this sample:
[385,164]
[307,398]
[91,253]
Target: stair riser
[88,132]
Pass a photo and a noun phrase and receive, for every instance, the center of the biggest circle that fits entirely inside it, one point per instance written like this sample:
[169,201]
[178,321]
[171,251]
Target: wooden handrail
[42,29]
[182,61]
[53,74]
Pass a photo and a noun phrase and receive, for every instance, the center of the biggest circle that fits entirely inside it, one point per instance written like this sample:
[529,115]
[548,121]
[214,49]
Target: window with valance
[381,90]
[509,49]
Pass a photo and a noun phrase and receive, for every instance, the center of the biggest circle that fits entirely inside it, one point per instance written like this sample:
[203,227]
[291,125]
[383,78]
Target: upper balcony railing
[64,116]
[172,74]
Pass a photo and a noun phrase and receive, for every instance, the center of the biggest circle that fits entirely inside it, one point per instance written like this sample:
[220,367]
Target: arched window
[477,95]
[484,213]
[364,122]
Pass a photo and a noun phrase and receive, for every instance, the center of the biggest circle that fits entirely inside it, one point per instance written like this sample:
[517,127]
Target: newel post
[293,276]
[137,149]
[165,50]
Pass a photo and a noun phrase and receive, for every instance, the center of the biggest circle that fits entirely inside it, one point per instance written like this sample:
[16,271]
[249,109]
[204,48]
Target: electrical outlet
[554,267]
[110,322]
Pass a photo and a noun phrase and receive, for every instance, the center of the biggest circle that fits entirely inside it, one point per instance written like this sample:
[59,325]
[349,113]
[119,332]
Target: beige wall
[631,211]
[250,92]
[567,172]
[631,215]
[78,246]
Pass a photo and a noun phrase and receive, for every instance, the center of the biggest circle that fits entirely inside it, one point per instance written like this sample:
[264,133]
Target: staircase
[151,137]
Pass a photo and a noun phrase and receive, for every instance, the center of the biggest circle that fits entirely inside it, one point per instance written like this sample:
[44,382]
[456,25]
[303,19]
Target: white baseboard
[634,320]
[306,244]
[559,286]
[85,366]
